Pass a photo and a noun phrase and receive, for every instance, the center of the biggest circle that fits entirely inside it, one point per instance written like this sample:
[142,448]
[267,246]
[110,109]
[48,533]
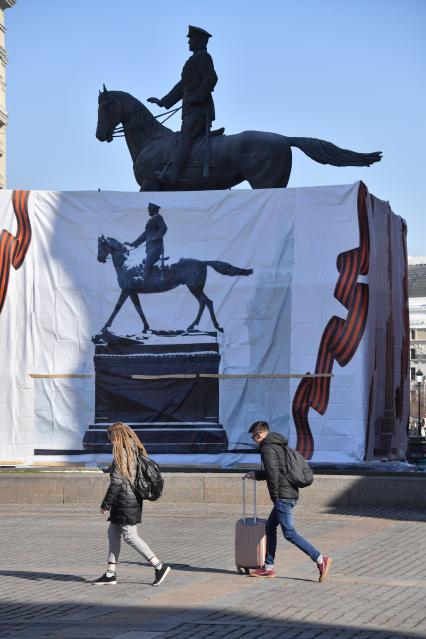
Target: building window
[412,353]
[413,373]
[413,334]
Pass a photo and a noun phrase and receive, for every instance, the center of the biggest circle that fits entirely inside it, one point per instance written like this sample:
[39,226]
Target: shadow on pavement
[184,567]
[378,512]
[35,576]
[189,568]
[71,619]
[384,496]
[53,576]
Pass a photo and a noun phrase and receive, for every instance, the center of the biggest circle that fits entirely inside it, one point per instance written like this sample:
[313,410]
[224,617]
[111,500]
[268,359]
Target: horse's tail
[227,269]
[328,153]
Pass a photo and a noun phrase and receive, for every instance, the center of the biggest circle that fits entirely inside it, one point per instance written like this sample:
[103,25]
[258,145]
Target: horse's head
[117,106]
[109,114]
[110,246]
[104,249]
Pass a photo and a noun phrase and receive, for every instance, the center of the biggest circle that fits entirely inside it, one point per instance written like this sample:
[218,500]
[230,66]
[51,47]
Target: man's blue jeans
[282,514]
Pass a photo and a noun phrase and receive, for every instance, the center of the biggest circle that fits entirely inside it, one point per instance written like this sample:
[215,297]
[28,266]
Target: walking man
[155,230]
[284,497]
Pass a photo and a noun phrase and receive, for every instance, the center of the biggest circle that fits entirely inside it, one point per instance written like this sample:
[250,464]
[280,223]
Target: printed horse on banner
[190,272]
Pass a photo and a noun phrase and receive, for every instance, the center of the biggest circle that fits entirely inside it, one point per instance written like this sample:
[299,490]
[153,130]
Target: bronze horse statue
[187,271]
[261,158]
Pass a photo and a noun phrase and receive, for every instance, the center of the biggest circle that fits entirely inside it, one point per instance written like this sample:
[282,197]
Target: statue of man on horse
[155,230]
[195,89]
[262,158]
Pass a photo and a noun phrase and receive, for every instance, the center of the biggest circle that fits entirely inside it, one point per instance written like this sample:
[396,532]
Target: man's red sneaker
[261,572]
[324,568]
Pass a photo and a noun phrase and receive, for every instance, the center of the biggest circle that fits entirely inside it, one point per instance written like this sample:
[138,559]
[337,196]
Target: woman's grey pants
[131,537]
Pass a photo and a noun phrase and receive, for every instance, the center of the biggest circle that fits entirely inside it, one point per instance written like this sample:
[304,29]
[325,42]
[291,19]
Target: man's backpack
[148,482]
[299,473]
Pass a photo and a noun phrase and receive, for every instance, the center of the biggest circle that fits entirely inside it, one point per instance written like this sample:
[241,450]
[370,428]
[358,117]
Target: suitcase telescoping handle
[244,500]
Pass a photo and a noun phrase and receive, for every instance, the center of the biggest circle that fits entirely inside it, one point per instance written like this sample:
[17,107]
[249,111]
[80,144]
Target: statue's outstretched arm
[173,96]
[155,101]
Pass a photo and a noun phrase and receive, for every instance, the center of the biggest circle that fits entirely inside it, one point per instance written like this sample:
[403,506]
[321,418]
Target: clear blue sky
[349,71]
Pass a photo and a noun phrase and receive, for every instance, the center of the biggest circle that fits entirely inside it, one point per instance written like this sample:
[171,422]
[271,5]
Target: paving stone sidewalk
[49,555]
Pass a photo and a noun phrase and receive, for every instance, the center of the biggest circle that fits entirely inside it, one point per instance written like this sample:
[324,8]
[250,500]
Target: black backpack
[299,473]
[148,482]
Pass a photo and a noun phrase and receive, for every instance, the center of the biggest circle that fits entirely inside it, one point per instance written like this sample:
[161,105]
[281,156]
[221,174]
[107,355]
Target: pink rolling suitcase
[250,539]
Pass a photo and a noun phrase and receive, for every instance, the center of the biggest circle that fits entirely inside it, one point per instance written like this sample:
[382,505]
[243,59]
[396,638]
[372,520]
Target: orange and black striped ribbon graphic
[13,248]
[340,338]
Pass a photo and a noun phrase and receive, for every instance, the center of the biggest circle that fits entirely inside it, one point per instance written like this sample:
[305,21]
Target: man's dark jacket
[275,468]
[195,88]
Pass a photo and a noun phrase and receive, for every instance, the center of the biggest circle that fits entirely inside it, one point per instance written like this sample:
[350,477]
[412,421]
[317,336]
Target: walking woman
[124,506]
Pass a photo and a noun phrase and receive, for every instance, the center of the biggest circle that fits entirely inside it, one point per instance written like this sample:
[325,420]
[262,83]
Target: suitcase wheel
[243,571]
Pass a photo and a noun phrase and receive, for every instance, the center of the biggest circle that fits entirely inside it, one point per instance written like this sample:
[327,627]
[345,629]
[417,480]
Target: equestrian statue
[197,158]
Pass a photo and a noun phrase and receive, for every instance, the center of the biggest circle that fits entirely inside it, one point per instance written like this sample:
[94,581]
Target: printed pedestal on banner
[288,305]
[135,383]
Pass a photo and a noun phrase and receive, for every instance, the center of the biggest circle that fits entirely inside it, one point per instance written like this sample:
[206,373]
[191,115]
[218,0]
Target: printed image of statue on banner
[163,383]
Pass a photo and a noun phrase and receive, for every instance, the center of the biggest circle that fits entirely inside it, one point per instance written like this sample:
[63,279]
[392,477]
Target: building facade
[4,4]
[417,304]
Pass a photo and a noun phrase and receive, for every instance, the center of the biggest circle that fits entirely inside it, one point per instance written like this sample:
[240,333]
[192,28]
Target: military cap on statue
[151,205]
[197,31]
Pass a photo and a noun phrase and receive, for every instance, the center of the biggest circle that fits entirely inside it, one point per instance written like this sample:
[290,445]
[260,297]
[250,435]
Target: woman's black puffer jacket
[124,506]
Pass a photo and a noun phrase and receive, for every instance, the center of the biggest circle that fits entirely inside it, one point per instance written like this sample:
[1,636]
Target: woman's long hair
[125,443]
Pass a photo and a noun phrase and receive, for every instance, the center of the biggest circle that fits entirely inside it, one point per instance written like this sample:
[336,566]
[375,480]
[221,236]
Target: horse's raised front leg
[135,299]
[123,297]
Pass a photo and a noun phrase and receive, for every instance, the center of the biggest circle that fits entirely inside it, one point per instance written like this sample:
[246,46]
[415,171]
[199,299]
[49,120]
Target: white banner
[253,290]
